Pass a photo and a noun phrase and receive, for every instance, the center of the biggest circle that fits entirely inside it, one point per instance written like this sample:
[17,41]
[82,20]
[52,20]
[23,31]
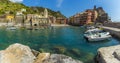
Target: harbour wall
[113,31]
[112,24]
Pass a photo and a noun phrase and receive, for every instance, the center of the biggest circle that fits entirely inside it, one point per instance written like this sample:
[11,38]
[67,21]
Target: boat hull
[99,38]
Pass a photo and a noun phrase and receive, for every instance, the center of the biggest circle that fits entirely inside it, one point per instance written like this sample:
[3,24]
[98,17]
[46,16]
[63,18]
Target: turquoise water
[61,40]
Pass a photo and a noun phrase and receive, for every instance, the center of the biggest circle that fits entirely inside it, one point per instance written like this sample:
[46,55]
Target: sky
[71,7]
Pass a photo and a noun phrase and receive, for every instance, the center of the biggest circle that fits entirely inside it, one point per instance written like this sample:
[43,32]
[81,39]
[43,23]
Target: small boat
[11,28]
[96,35]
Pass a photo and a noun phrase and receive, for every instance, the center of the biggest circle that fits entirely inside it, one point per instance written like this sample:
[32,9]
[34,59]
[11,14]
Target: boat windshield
[94,32]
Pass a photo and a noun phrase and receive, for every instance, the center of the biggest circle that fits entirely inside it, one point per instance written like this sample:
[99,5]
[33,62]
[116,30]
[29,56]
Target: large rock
[54,58]
[109,54]
[42,57]
[117,54]
[58,58]
[17,53]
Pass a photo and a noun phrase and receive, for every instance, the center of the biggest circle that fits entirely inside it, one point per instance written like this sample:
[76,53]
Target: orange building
[87,17]
[61,21]
[83,18]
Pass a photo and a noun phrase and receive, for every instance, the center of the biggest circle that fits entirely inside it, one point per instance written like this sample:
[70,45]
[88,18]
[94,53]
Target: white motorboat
[96,35]
[91,31]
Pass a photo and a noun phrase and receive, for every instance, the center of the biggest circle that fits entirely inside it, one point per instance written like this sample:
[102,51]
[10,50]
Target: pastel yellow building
[9,17]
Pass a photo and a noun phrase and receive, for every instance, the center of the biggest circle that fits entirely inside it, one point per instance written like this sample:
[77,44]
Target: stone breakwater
[112,24]
[113,31]
[18,53]
[108,54]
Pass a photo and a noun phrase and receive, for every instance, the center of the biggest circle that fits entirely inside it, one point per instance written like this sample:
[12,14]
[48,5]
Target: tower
[94,7]
[95,13]
[46,13]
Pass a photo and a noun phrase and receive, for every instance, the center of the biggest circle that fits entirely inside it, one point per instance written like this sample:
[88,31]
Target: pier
[114,31]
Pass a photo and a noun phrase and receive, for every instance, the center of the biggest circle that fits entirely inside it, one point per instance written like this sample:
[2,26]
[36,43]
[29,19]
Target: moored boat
[96,35]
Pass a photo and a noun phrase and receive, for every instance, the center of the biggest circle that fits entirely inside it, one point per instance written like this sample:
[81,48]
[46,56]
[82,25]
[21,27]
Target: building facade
[83,18]
[89,16]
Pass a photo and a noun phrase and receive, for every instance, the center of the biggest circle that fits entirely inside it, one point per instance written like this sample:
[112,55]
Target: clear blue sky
[71,7]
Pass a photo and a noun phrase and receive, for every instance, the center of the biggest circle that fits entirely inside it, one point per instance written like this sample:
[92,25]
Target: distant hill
[6,5]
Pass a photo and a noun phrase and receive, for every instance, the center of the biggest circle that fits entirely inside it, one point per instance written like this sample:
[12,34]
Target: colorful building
[83,18]
[95,15]
[61,20]
[10,18]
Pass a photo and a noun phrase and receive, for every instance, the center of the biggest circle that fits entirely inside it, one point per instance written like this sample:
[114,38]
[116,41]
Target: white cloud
[18,1]
[59,3]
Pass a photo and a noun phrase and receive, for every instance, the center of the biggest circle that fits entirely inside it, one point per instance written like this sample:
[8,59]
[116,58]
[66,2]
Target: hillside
[6,6]
[51,12]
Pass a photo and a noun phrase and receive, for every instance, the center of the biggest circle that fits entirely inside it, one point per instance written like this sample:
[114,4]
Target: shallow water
[61,40]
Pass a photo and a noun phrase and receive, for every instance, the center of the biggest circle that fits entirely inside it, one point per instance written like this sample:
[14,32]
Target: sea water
[61,40]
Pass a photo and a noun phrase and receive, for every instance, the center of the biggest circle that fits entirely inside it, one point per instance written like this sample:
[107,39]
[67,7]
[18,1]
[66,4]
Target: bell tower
[94,7]
[46,13]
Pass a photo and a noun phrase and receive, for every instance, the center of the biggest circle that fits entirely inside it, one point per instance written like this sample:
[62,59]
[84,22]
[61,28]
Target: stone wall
[113,33]
[113,24]
[3,20]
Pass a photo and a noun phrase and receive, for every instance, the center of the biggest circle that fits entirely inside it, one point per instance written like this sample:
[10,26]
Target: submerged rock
[42,50]
[17,53]
[59,49]
[109,54]
[75,52]
[88,58]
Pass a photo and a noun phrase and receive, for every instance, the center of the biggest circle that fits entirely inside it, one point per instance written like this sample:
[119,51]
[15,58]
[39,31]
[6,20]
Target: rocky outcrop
[117,54]
[18,53]
[42,57]
[54,58]
[109,54]
[103,17]
[58,58]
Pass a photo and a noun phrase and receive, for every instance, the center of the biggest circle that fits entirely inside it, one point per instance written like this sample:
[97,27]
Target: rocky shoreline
[108,54]
[18,53]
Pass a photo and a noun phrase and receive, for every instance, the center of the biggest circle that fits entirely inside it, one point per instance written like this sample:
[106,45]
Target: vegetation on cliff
[7,6]
[51,12]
